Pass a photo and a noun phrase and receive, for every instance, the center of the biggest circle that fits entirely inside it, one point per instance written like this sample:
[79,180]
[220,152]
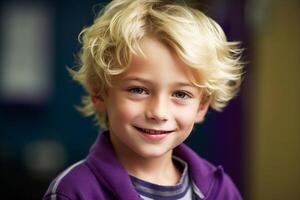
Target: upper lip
[155,131]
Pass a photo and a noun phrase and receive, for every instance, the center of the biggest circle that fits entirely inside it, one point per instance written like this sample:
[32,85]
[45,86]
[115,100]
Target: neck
[160,170]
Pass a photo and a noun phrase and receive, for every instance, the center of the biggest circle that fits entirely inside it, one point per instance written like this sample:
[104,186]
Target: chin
[153,153]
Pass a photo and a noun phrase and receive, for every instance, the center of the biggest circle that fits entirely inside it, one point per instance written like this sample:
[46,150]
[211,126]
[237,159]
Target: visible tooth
[147,131]
[153,132]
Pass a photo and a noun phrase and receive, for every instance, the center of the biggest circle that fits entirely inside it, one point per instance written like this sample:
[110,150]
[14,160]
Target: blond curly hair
[109,43]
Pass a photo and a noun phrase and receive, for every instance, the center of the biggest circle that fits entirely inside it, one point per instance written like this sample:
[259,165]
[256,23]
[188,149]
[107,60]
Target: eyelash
[137,90]
[185,94]
[143,91]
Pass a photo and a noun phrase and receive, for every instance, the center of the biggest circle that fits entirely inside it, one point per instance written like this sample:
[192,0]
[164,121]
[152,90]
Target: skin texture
[155,95]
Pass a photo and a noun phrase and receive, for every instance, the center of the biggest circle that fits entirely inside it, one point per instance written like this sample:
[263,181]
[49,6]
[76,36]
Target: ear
[99,103]
[202,110]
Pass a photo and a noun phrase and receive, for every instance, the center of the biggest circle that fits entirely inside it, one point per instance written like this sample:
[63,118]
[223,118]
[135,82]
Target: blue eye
[181,95]
[137,90]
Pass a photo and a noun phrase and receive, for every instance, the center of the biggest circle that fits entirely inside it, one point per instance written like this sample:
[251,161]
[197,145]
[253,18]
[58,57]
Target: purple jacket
[100,176]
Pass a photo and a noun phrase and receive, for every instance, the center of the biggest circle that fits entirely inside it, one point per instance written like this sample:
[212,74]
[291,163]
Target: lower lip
[153,137]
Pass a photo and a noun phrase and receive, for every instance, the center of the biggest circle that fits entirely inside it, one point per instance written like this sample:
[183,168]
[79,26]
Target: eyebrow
[130,78]
[146,81]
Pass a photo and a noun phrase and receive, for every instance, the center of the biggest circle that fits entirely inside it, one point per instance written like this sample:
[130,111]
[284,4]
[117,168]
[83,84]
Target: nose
[158,109]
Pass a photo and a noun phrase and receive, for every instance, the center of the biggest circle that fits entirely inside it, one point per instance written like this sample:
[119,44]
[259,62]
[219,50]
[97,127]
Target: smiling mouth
[152,131]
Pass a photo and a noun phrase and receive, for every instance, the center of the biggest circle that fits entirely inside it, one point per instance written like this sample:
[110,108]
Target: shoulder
[222,186]
[211,181]
[74,183]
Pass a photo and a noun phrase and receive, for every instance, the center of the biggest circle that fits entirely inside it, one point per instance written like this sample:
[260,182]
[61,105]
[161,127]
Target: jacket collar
[110,173]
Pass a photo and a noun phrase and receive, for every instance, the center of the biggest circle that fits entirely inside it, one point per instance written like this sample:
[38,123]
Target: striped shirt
[183,190]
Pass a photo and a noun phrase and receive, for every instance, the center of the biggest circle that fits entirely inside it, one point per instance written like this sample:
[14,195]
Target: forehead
[158,60]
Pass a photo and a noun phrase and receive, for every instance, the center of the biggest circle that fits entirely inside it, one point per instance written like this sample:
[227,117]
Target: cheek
[186,117]
[124,111]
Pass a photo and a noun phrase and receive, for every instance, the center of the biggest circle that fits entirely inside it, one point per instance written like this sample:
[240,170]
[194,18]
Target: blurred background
[256,138]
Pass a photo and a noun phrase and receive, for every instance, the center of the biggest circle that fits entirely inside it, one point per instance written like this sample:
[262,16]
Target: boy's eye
[181,95]
[137,90]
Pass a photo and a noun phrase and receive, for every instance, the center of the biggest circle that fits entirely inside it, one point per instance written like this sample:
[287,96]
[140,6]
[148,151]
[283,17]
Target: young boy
[151,70]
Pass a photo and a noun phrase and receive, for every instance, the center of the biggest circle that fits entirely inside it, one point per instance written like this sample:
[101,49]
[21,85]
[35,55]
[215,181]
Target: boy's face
[153,106]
